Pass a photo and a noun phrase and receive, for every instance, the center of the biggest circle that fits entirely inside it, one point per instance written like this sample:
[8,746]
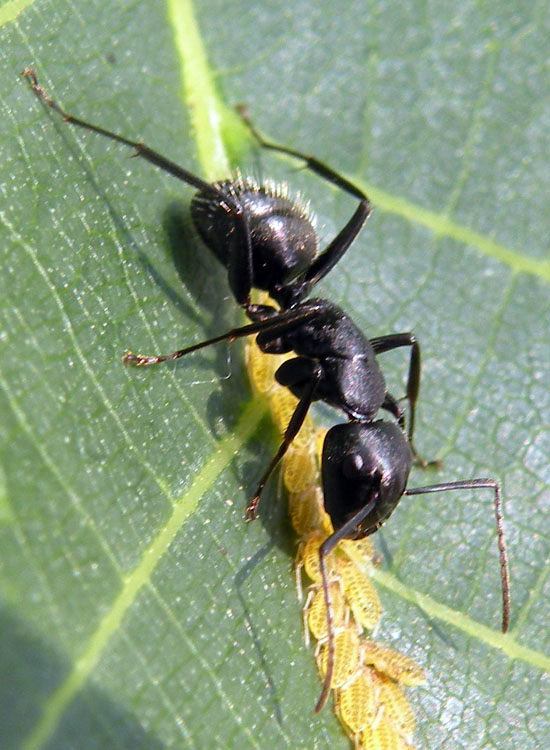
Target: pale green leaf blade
[138,610]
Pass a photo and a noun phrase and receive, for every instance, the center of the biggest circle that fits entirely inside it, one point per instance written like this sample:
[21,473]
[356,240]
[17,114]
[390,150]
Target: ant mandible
[266,242]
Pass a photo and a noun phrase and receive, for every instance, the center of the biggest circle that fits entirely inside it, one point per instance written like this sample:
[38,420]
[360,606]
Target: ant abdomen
[282,236]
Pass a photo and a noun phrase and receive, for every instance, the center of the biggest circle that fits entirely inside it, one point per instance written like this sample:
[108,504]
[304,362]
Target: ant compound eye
[353,465]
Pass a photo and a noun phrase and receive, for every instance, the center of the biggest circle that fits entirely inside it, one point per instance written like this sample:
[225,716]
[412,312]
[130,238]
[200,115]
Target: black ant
[267,242]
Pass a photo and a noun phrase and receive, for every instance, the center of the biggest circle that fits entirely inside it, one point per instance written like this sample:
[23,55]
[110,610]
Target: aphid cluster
[367,678]
[267,242]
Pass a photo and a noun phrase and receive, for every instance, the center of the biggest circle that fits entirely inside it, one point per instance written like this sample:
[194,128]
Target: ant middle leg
[274,325]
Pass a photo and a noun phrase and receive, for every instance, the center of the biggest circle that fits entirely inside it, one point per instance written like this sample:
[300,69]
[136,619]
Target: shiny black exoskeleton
[326,338]
[283,241]
[334,362]
[268,242]
[366,462]
[263,239]
[363,461]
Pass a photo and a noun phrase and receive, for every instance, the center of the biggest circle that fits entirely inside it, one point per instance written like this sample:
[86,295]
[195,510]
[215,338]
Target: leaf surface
[138,610]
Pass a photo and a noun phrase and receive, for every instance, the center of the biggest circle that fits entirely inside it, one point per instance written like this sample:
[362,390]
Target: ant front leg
[383,344]
[294,426]
[339,245]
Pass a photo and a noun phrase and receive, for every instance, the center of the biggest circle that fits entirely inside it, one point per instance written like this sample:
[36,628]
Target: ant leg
[241,281]
[383,344]
[336,249]
[326,548]
[392,405]
[296,422]
[277,325]
[473,484]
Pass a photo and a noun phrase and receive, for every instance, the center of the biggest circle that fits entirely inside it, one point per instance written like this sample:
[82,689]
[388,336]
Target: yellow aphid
[261,370]
[317,611]
[282,408]
[381,736]
[346,656]
[300,468]
[360,594]
[359,550]
[356,702]
[397,708]
[319,439]
[309,552]
[306,510]
[393,664]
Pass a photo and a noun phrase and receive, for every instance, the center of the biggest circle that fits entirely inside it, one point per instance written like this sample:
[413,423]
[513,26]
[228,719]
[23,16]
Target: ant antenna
[326,548]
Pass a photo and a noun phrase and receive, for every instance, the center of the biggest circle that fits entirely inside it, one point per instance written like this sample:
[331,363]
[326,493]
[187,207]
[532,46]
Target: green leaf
[138,610]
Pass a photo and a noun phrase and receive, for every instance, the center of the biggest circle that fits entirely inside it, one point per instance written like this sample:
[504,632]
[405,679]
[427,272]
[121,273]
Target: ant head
[364,462]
